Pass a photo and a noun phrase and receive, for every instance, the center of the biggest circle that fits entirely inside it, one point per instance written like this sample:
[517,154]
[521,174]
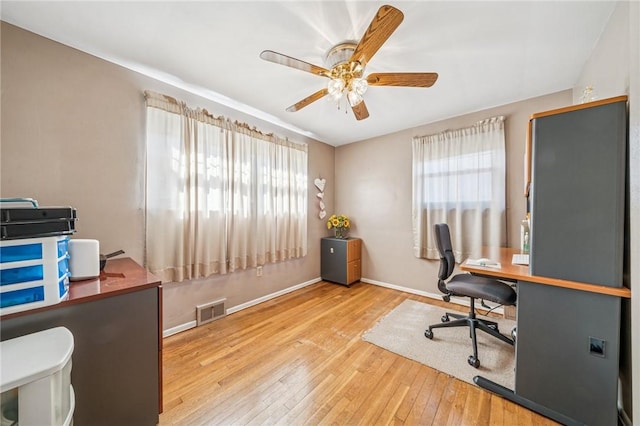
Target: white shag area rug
[402,332]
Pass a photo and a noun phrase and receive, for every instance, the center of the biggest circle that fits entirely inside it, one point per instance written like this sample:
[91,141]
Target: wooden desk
[510,271]
[567,347]
[117,360]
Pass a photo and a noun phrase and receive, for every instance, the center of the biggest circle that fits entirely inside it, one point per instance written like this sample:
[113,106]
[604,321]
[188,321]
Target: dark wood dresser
[116,322]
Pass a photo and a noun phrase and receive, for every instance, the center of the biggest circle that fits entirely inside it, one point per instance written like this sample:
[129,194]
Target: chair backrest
[443,242]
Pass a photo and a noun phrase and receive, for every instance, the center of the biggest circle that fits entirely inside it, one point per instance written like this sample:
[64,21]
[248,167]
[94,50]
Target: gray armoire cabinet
[341,260]
[567,352]
[578,192]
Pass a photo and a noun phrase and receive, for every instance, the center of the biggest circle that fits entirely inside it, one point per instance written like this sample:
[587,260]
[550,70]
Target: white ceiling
[486,53]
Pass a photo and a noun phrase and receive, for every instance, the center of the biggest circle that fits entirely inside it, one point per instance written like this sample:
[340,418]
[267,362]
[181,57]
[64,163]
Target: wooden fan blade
[279,58]
[380,29]
[360,111]
[406,79]
[309,99]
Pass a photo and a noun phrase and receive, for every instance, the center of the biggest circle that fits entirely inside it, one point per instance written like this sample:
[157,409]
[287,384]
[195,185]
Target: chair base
[471,321]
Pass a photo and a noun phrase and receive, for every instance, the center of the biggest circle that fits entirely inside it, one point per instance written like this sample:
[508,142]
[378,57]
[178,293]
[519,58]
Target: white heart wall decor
[320,184]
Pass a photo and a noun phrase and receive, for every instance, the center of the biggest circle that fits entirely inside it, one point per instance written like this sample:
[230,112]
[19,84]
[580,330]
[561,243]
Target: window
[459,179]
[219,196]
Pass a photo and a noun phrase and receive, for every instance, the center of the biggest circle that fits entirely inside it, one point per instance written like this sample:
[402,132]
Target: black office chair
[471,286]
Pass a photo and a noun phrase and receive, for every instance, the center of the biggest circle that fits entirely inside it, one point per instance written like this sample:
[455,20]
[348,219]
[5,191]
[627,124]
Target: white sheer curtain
[459,179]
[268,204]
[219,196]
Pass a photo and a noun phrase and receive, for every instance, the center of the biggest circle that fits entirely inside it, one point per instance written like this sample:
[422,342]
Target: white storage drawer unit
[34,272]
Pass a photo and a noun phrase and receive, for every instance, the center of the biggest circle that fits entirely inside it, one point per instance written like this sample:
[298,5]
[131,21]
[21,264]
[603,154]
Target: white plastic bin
[38,366]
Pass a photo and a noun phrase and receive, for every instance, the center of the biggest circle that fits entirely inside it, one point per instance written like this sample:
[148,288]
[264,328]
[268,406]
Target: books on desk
[520,259]
[487,263]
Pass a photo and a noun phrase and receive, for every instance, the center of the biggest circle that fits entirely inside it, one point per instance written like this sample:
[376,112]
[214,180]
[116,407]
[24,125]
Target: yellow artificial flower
[338,221]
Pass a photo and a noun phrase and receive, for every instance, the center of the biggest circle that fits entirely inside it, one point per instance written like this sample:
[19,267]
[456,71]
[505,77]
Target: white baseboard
[192,324]
[438,296]
[178,328]
[271,296]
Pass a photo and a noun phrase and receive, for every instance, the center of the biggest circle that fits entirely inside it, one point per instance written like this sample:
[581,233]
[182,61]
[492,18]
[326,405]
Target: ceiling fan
[345,64]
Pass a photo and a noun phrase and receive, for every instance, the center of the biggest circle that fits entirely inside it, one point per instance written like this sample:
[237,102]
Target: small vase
[341,232]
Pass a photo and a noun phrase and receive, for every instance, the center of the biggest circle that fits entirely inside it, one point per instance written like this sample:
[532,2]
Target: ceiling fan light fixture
[335,88]
[354,98]
[359,85]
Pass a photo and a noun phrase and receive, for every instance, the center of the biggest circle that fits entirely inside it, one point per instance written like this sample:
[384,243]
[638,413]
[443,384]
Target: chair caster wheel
[513,334]
[428,334]
[473,361]
[444,318]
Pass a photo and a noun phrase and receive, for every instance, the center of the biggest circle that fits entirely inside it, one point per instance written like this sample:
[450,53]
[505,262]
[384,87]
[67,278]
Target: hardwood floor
[300,359]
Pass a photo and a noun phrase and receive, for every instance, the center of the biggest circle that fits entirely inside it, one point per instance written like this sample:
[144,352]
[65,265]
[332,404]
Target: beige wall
[607,70]
[73,134]
[375,190]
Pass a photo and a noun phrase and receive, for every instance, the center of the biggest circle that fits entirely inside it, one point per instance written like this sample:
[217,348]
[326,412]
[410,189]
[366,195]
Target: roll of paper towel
[84,259]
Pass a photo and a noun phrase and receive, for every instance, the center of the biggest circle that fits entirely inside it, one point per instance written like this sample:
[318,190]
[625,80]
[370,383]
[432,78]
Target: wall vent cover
[210,311]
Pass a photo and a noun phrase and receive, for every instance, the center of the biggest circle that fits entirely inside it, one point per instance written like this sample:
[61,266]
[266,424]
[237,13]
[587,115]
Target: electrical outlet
[259,271]
[597,347]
